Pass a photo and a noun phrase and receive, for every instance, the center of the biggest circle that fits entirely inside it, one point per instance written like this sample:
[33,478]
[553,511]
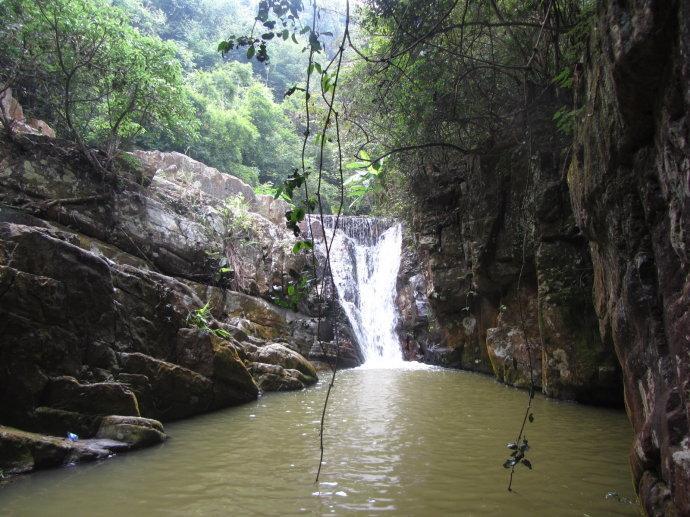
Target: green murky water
[408,442]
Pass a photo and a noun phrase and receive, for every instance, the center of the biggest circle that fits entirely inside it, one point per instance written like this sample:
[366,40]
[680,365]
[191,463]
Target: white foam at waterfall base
[365,266]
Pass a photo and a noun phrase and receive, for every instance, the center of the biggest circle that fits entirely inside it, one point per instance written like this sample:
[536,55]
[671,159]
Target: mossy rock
[136,431]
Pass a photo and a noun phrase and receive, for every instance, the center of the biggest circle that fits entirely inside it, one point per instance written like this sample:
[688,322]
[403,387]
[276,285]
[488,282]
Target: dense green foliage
[98,78]
[446,79]
[442,78]
[147,73]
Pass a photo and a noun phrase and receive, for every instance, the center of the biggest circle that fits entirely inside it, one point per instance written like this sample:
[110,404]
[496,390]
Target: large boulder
[260,318]
[279,354]
[216,358]
[59,422]
[345,353]
[13,111]
[136,432]
[100,398]
[175,392]
[272,377]
[10,107]
[182,169]
[22,452]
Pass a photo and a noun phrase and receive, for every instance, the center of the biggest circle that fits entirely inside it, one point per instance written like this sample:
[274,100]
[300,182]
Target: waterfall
[365,258]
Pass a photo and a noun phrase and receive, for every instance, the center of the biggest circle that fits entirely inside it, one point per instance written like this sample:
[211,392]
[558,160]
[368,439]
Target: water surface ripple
[406,442]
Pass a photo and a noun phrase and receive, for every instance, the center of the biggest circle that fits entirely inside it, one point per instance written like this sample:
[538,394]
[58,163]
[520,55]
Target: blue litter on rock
[72,437]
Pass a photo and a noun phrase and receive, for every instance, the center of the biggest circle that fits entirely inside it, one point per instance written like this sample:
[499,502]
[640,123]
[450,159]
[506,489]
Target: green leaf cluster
[294,291]
[102,81]
[201,319]
[365,181]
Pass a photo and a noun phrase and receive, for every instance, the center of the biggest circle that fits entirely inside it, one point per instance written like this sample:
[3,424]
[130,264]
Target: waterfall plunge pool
[399,441]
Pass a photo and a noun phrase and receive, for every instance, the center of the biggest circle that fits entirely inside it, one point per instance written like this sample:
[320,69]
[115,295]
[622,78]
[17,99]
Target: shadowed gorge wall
[630,186]
[603,292]
[500,251]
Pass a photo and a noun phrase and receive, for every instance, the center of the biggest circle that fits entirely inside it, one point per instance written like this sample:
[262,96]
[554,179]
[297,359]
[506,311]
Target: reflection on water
[410,442]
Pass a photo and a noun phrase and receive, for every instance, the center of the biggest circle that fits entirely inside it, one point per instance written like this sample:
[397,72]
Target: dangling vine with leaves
[287,14]
[449,77]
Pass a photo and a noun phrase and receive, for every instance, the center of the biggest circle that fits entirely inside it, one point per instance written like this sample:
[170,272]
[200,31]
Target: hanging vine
[489,46]
[281,18]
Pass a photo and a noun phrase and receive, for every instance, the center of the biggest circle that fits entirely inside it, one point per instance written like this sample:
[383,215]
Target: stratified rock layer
[113,305]
[630,185]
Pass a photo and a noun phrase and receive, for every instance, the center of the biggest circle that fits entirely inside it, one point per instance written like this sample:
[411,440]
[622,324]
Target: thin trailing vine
[287,13]
[533,34]
[521,445]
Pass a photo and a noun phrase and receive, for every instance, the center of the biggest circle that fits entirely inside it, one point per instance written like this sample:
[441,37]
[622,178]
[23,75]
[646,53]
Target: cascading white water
[365,258]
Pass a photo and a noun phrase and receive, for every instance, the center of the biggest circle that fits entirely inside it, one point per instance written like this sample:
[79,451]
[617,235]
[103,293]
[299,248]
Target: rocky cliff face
[503,260]
[13,114]
[599,287]
[630,186]
[416,322]
[144,298]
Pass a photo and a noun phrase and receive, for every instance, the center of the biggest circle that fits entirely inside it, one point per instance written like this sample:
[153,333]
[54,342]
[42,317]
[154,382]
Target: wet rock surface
[111,302]
[416,319]
[630,185]
[134,431]
[22,452]
[492,259]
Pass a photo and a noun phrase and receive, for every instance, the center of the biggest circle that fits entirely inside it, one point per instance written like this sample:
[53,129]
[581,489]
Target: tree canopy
[114,74]
[447,76]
